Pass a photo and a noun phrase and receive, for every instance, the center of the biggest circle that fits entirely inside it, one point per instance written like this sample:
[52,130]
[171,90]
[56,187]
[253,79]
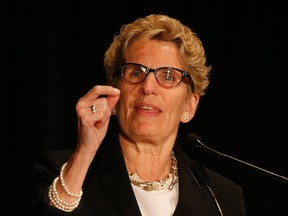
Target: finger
[93,108]
[112,100]
[103,91]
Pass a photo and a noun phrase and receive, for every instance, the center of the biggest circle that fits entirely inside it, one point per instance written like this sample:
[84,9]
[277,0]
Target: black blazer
[107,190]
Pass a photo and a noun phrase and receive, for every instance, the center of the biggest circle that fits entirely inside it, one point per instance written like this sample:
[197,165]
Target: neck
[149,160]
[148,166]
[159,184]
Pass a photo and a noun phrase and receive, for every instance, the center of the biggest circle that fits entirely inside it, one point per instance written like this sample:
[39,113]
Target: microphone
[202,178]
[197,142]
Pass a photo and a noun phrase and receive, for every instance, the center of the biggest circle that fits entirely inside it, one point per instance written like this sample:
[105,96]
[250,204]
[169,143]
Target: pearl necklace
[163,184]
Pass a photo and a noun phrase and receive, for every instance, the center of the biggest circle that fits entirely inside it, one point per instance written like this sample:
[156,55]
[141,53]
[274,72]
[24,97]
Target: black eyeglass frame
[119,71]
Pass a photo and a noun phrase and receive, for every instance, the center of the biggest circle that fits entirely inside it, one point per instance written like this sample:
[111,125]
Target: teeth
[146,107]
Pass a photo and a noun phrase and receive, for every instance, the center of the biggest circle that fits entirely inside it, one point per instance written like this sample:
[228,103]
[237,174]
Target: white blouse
[157,203]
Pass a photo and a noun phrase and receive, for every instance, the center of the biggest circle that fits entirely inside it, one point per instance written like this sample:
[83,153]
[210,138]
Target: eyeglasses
[167,77]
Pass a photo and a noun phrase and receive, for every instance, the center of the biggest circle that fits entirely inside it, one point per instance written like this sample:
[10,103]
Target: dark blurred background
[53,53]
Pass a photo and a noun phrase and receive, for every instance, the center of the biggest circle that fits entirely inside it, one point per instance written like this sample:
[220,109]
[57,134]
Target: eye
[136,72]
[167,75]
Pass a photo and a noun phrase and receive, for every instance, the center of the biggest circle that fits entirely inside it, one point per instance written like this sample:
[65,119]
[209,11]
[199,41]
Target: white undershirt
[156,203]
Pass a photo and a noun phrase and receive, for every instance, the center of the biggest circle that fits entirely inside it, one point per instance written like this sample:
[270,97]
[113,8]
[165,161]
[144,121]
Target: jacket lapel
[112,175]
[190,193]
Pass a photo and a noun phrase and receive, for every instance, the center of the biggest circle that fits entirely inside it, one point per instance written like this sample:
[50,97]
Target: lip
[147,108]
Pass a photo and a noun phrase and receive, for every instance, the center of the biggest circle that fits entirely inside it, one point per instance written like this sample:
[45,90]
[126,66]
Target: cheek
[177,102]
[125,100]
[174,109]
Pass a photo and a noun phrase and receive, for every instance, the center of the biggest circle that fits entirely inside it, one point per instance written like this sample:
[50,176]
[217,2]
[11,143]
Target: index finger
[102,91]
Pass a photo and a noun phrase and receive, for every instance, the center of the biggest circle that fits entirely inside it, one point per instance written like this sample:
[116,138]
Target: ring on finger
[93,108]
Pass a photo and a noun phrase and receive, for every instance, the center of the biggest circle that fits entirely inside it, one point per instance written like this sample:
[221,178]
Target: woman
[127,160]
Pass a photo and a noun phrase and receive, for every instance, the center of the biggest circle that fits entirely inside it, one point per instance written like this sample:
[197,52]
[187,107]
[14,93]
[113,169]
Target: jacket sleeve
[45,170]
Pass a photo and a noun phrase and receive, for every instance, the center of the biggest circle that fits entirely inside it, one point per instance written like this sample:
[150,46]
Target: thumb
[112,100]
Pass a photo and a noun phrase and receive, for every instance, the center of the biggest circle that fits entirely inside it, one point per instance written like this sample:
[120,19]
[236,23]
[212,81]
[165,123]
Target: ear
[191,107]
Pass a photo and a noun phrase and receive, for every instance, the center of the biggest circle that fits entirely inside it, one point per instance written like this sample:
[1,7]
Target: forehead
[144,68]
[154,53]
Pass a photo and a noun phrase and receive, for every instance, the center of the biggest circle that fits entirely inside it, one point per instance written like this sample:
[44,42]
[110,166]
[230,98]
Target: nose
[150,84]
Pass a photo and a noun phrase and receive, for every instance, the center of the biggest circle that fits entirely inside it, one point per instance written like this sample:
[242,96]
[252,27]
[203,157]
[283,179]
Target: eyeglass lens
[166,76]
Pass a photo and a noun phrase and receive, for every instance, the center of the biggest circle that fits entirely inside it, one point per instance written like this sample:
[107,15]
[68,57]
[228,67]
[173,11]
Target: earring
[113,111]
[185,118]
